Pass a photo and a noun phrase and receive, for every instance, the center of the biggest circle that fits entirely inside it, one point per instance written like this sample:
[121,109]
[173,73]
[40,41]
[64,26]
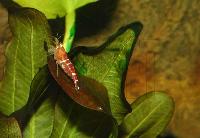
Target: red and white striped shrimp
[64,62]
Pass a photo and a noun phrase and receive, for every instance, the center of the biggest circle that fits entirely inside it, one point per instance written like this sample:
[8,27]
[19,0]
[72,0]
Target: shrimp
[64,62]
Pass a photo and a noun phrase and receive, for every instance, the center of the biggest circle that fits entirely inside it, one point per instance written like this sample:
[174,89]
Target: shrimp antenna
[59,36]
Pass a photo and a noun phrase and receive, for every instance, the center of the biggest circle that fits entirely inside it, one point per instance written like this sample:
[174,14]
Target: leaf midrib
[14,76]
[32,130]
[114,62]
[115,59]
[66,121]
[141,122]
[31,47]
[158,122]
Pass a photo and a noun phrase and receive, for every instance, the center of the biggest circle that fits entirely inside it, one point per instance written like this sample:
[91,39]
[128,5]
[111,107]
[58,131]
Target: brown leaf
[9,127]
[2,61]
[91,94]
[5,36]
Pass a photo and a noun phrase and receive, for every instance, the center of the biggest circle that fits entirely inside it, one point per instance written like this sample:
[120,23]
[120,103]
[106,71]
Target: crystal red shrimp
[64,62]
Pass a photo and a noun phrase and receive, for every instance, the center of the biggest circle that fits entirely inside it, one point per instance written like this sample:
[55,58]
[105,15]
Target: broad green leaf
[54,8]
[37,112]
[25,56]
[114,132]
[151,114]
[108,66]
[44,112]
[73,121]
[39,86]
[41,123]
[9,127]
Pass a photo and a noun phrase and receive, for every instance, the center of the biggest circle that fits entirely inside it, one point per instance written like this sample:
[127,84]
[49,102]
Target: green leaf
[73,121]
[108,66]
[41,123]
[151,114]
[9,127]
[43,112]
[54,8]
[114,132]
[25,56]
[39,87]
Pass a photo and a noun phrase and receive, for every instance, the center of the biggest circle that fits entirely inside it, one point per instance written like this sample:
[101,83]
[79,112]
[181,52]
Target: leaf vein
[14,76]
[133,130]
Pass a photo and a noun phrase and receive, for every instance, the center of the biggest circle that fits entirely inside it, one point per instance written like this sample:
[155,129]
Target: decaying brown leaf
[91,94]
